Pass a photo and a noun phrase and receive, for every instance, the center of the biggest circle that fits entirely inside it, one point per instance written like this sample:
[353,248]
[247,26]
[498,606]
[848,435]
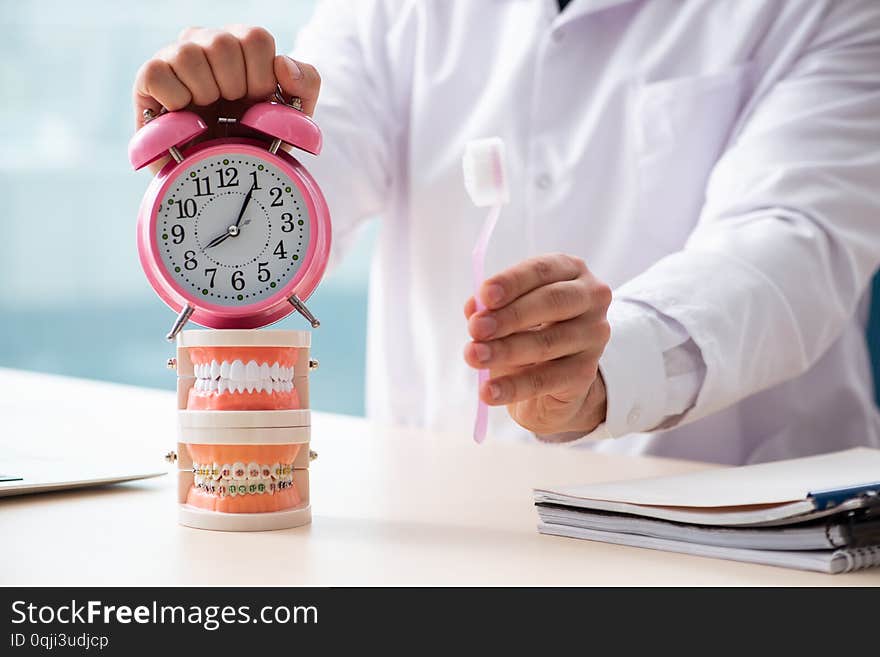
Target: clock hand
[234,229]
[247,199]
[220,238]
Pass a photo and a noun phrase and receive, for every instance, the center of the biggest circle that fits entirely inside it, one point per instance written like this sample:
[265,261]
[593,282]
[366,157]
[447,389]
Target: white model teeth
[252,371]
[237,376]
[236,371]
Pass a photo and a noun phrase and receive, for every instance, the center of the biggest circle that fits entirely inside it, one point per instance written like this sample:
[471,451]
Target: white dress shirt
[716,162]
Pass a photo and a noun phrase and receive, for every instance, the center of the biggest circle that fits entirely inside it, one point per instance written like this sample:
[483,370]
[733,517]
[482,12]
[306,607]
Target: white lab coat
[716,162]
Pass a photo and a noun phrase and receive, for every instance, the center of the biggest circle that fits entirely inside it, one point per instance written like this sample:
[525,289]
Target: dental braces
[263,487]
[239,471]
[242,479]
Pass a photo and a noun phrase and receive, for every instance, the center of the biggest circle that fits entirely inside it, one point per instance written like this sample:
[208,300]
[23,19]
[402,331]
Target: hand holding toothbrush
[541,334]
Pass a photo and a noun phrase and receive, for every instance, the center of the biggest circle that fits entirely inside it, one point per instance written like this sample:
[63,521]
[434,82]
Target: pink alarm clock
[232,232]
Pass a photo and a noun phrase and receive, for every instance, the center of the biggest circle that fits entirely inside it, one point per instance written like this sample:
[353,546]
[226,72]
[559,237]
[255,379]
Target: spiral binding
[860,558]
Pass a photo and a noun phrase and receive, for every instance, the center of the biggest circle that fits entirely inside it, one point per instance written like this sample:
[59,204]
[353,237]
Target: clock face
[232,229]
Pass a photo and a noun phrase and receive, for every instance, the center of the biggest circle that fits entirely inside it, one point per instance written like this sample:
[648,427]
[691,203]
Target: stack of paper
[816,513]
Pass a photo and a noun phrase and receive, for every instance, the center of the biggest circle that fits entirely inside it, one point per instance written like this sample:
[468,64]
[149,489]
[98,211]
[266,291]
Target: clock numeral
[262,269]
[189,262]
[255,185]
[275,193]
[286,222]
[207,183]
[238,280]
[178,233]
[279,250]
[213,271]
[186,209]
[228,177]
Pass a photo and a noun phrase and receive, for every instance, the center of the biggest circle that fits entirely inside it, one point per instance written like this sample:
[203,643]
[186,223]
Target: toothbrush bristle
[485,174]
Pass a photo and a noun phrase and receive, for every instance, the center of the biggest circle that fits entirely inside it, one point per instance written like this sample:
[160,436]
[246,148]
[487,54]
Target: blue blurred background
[73,299]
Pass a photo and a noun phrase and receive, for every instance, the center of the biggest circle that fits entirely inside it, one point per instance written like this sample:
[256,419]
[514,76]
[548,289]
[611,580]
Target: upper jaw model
[243,378]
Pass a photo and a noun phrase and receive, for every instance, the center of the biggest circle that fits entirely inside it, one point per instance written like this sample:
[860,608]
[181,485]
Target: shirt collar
[577,8]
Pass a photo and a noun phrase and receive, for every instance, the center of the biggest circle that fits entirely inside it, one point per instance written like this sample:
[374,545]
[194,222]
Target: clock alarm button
[285,123]
[160,135]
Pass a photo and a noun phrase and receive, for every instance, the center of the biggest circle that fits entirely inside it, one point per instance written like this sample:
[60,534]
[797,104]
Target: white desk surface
[390,507]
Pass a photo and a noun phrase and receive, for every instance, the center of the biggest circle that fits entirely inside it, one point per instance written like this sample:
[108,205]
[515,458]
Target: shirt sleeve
[652,370]
[785,247]
[359,109]
[788,239]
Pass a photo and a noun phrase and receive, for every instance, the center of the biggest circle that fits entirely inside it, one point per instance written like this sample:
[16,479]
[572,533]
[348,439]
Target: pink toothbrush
[485,178]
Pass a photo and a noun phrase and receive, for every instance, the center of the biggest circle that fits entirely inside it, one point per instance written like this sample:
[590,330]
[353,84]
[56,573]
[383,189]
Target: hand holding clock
[237,64]
[229,74]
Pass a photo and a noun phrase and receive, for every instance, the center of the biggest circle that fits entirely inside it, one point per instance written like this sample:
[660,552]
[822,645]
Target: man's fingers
[552,303]
[503,288]
[565,378]
[226,59]
[549,343]
[258,46]
[298,79]
[470,307]
[237,62]
[143,102]
[190,66]
[157,86]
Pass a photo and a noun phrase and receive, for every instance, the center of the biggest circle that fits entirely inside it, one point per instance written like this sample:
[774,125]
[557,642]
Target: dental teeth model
[245,378]
[244,428]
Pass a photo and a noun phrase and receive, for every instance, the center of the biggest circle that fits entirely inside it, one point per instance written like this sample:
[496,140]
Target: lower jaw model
[243,378]
[243,478]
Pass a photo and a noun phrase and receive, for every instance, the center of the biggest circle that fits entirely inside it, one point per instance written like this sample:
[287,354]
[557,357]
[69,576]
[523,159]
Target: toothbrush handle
[482,420]
[478,260]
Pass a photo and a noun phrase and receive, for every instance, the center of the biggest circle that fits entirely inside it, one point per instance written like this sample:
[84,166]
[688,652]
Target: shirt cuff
[634,370]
